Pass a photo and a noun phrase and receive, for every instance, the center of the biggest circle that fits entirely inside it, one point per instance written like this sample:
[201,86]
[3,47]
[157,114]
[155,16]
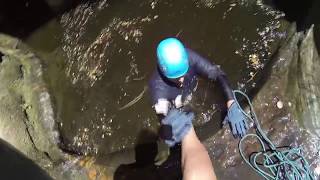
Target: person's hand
[175,126]
[237,120]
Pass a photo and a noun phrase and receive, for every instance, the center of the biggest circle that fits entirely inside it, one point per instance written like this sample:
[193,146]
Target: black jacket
[160,87]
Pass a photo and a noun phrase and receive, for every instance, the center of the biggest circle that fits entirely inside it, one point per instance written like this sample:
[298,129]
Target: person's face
[178,81]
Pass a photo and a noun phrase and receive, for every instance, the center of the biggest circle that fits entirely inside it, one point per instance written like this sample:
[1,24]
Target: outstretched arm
[236,119]
[209,70]
[196,164]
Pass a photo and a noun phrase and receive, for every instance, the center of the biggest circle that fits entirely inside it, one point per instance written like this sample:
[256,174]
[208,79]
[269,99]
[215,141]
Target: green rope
[273,163]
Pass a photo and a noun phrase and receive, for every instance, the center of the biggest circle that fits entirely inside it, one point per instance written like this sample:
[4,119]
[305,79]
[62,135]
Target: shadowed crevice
[295,10]
[21,18]
[1,56]
[15,166]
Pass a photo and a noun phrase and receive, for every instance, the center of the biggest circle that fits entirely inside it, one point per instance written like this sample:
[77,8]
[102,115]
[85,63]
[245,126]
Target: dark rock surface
[27,119]
[286,105]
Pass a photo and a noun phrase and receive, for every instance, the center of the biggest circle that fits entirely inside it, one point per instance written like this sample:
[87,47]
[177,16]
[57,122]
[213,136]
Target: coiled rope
[271,162]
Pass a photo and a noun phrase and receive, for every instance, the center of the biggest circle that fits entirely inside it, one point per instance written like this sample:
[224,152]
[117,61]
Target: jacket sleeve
[211,71]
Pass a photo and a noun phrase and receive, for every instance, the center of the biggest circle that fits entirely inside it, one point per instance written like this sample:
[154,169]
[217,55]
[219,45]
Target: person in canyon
[171,87]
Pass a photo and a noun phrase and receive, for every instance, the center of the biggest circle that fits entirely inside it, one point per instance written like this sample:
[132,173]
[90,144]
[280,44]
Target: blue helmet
[172,58]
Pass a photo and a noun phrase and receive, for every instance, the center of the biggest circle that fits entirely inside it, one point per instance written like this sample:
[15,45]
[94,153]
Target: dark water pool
[100,55]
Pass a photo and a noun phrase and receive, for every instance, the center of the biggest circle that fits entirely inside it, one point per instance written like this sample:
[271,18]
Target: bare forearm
[229,103]
[196,163]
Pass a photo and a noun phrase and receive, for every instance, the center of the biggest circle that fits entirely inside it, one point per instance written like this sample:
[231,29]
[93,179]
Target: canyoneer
[171,87]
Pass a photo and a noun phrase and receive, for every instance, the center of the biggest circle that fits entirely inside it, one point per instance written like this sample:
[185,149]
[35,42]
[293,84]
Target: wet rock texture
[27,116]
[286,105]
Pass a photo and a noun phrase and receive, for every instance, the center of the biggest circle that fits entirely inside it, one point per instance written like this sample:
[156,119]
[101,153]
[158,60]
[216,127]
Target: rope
[273,163]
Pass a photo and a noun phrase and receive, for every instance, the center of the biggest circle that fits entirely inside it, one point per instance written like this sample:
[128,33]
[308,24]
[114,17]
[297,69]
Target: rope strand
[275,163]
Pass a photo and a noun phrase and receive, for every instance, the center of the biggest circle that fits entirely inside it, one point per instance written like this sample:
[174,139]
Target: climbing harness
[273,163]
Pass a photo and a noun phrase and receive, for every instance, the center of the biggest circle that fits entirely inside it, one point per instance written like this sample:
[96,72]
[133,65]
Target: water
[99,57]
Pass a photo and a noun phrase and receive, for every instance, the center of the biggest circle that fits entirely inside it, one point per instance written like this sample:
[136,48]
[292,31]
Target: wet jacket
[161,88]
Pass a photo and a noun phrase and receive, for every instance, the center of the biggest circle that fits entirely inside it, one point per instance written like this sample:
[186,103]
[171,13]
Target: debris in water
[252,75]
[153,5]
[135,100]
[255,61]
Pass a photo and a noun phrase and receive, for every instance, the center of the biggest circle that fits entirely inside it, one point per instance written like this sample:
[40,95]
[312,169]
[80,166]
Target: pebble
[280,104]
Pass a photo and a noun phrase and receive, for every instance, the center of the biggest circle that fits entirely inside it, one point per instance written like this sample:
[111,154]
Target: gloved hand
[175,126]
[237,120]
